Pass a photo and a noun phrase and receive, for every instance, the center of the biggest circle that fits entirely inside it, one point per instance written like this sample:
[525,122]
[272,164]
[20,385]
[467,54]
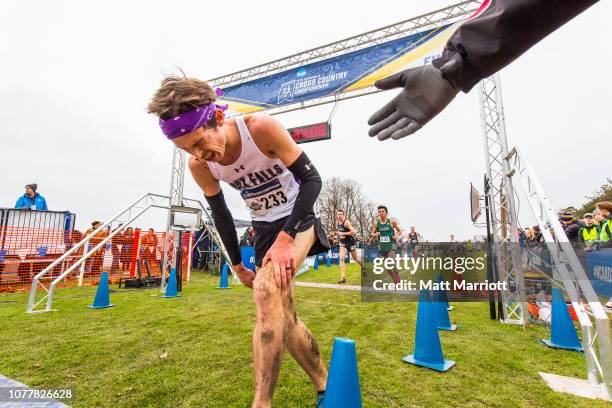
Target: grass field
[195,351]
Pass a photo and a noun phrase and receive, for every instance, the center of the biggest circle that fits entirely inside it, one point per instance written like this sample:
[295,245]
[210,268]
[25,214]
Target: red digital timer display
[311,133]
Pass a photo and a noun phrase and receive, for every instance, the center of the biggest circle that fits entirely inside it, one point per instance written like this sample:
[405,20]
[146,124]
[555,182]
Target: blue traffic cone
[442,320]
[171,288]
[316,262]
[102,299]
[327,260]
[440,305]
[427,347]
[562,331]
[223,281]
[440,295]
[343,390]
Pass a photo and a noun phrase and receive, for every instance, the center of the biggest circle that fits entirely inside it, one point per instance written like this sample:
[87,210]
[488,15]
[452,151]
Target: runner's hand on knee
[282,256]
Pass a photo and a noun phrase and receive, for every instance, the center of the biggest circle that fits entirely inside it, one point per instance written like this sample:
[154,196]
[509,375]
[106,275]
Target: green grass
[195,351]
[331,274]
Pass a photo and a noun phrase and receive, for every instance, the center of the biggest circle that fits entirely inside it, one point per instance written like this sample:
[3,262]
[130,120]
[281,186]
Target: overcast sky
[76,78]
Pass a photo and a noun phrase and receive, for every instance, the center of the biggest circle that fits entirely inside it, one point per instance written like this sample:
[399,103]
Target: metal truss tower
[177,180]
[503,211]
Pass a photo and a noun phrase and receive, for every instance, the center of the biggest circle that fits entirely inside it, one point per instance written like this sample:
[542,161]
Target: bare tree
[346,194]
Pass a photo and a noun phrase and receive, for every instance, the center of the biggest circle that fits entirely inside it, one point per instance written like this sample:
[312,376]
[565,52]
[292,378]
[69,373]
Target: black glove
[425,94]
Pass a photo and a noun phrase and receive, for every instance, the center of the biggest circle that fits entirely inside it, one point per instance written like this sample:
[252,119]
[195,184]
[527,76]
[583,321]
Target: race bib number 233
[263,198]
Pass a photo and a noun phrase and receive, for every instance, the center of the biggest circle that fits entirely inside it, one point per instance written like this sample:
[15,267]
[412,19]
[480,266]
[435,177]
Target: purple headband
[189,121]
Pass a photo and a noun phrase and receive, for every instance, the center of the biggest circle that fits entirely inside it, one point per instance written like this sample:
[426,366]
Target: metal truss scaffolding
[502,207]
[177,180]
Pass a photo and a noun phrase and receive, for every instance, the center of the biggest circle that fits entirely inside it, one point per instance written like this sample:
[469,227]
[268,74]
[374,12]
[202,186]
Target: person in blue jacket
[32,200]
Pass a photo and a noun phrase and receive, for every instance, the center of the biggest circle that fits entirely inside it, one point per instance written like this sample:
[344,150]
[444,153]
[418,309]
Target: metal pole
[189,258]
[490,275]
[179,263]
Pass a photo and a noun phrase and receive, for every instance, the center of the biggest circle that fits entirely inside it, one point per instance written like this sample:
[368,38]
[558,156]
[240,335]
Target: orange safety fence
[25,252]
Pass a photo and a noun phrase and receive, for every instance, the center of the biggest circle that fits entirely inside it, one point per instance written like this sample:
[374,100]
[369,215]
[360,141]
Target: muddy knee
[265,290]
[266,335]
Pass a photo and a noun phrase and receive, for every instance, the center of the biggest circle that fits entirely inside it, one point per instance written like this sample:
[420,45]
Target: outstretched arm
[498,33]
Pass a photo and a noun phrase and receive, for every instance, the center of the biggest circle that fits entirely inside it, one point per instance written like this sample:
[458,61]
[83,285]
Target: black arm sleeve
[310,187]
[224,222]
[498,33]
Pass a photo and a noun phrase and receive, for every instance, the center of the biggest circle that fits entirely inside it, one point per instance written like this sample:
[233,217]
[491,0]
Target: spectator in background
[537,234]
[97,258]
[529,234]
[251,236]
[201,249]
[32,200]
[247,237]
[149,247]
[116,240]
[570,226]
[598,219]
[590,232]
[605,234]
[522,237]
[453,246]
[127,246]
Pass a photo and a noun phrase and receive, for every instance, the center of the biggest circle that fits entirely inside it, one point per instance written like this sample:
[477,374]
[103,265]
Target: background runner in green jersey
[386,231]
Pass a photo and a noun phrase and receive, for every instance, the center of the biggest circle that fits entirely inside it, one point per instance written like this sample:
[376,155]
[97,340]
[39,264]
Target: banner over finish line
[342,74]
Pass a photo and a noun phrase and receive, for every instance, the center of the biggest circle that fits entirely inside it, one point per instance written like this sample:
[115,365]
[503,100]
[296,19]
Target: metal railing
[22,229]
[120,221]
[566,264]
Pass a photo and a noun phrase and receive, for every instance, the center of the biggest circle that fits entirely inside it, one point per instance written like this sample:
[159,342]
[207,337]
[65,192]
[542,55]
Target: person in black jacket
[498,33]
[570,226]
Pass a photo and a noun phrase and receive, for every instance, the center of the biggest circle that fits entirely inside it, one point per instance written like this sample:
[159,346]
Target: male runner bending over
[346,237]
[387,231]
[279,184]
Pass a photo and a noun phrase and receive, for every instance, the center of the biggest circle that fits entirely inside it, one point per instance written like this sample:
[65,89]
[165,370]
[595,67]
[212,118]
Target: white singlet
[267,187]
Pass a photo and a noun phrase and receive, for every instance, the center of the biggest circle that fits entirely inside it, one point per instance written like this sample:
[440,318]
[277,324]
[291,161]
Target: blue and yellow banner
[345,73]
